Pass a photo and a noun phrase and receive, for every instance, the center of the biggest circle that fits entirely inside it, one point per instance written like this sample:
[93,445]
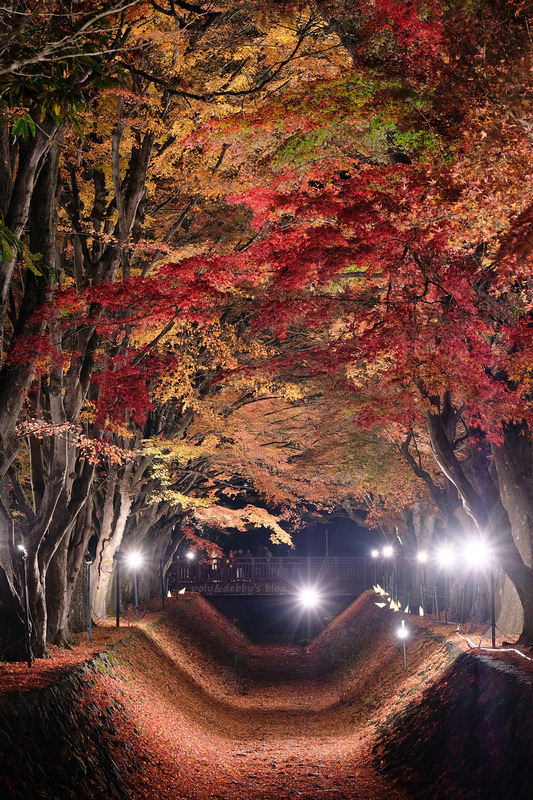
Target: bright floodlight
[190,555]
[477,553]
[21,547]
[134,559]
[445,556]
[421,556]
[402,633]
[374,553]
[309,597]
[388,551]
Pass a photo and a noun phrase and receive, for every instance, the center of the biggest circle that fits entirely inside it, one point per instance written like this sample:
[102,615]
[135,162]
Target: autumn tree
[105,336]
[141,306]
[418,269]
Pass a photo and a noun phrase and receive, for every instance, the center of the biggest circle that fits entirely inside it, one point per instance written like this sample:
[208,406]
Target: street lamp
[89,561]
[135,560]
[190,555]
[445,558]
[309,597]
[375,555]
[422,557]
[402,633]
[388,552]
[162,582]
[116,558]
[26,603]
[478,554]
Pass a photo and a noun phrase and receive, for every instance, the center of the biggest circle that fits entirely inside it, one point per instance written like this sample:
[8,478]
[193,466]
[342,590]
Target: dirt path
[211,715]
[280,732]
[274,742]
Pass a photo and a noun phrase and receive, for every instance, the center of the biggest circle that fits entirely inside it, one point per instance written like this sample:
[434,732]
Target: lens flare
[309,597]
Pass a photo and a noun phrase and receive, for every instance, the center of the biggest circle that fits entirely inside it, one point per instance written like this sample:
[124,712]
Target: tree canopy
[260,262]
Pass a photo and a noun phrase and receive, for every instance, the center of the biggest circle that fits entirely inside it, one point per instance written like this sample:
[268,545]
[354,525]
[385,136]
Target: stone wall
[61,742]
[471,735]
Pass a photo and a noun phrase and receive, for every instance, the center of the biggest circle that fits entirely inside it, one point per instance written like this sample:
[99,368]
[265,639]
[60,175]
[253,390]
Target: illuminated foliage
[265,247]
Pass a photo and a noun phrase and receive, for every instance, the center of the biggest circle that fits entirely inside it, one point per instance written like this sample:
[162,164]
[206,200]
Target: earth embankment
[187,707]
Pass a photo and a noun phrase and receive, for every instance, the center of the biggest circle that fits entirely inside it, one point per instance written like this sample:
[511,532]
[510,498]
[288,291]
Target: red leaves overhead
[407,306]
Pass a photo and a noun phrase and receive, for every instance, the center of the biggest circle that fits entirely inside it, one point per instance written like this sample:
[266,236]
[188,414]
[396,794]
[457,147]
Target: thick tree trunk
[12,640]
[37,597]
[32,155]
[56,596]
[490,517]
[512,461]
[113,526]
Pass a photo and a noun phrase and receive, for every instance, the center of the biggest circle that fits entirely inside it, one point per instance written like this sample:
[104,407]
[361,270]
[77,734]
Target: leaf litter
[213,715]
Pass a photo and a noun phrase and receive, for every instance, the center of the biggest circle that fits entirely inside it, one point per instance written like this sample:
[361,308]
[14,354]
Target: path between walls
[185,707]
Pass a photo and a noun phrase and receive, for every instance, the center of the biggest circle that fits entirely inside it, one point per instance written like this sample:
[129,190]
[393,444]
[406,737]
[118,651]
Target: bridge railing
[286,570]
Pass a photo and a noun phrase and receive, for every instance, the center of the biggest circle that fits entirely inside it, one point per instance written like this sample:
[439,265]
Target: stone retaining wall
[62,742]
[470,737]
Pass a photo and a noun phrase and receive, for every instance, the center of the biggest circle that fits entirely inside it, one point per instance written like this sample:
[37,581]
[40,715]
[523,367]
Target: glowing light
[421,556]
[169,593]
[421,611]
[477,553]
[309,597]
[374,553]
[445,556]
[182,591]
[191,555]
[21,548]
[402,633]
[388,551]
[134,559]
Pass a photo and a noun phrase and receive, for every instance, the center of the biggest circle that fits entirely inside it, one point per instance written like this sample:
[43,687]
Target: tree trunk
[490,517]
[56,596]
[112,531]
[37,597]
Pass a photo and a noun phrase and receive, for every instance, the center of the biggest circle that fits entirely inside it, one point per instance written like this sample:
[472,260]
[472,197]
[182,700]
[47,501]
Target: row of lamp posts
[475,552]
[134,560]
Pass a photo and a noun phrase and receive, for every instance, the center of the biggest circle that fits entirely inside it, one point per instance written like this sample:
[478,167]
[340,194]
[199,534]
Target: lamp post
[388,553]
[162,581]
[402,633]
[479,554]
[116,558]
[445,556]
[190,556]
[135,560]
[25,601]
[309,598]
[375,555]
[89,561]
[492,606]
[422,557]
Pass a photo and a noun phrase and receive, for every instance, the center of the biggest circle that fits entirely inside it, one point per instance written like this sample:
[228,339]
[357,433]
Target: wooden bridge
[276,576]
